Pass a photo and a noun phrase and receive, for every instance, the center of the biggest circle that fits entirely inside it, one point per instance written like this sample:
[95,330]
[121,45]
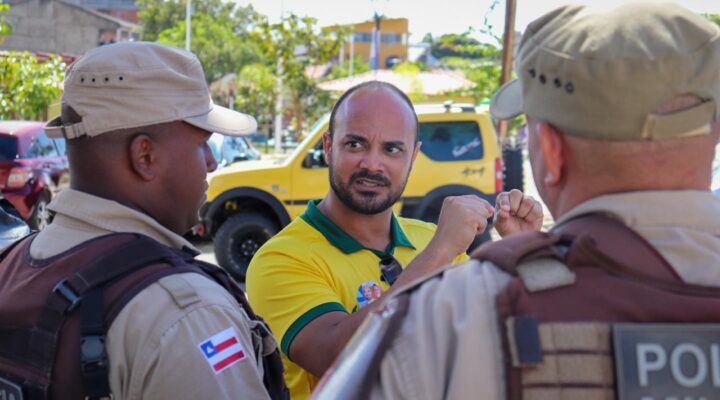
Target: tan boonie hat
[135,84]
[601,75]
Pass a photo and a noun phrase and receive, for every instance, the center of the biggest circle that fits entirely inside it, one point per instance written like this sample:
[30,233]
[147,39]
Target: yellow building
[393,41]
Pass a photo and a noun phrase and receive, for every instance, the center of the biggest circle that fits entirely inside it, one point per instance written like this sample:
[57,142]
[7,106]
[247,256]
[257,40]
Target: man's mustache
[364,174]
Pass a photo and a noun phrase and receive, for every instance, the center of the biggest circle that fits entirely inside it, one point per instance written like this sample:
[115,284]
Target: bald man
[318,278]
[108,301]
[619,299]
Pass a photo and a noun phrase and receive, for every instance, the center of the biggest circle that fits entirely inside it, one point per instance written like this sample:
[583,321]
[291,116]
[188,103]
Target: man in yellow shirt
[316,280]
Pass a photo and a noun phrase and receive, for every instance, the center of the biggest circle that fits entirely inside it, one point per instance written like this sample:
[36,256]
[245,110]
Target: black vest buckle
[62,289]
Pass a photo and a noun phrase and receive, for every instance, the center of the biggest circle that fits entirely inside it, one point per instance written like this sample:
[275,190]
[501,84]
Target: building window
[362,37]
[390,38]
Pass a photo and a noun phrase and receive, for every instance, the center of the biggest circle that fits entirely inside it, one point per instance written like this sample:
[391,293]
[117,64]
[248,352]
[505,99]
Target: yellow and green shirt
[313,267]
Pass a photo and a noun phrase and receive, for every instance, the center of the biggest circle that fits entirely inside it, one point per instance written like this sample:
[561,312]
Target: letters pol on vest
[608,342]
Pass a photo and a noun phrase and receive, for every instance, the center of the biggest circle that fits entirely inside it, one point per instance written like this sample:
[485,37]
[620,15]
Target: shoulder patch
[545,273]
[222,350]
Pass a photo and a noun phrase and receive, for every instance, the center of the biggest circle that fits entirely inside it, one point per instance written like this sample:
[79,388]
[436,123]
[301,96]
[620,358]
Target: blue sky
[434,16]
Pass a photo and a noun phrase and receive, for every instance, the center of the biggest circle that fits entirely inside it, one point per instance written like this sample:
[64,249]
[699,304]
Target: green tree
[713,17]
[256,93]
[158,15]
[28,87]
[485,74]
[5,27]
[461,45]
[359,67]
[289,48]
[219,34]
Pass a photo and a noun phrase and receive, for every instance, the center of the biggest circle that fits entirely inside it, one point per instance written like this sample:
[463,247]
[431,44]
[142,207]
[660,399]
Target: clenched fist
[461,219]
[516,212]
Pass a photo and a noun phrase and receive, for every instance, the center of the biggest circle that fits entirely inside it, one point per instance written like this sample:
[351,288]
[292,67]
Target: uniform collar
[340,239]
[653,208]
[101,216]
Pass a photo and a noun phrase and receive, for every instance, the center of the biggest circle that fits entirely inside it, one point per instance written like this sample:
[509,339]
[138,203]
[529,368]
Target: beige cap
[602,75]
[135,84]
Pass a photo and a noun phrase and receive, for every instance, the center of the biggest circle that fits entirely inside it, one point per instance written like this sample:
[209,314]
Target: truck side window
[451,141]
[315,157]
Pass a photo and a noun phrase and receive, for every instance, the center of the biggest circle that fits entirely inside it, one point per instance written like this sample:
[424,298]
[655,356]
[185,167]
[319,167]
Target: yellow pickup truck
[250,201]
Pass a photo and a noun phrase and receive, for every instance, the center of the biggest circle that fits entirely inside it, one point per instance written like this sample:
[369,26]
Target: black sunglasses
[390,269]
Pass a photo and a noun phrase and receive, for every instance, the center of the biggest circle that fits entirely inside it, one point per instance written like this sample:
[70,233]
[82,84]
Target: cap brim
[507,103]
[225,121]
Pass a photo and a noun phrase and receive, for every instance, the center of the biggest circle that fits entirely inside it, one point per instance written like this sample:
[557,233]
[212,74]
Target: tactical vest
[589,302]
[562,316]
[54,313]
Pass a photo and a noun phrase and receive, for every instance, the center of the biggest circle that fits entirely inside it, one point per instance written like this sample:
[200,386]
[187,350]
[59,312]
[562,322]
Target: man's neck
[372,231]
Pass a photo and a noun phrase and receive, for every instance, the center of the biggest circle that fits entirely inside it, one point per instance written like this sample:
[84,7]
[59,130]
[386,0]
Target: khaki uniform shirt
[157,345]
[449,344]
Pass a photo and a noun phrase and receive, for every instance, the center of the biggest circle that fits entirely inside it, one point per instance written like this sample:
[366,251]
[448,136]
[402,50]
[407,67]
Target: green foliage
[411,67]
[461,45]
[713,18]
[158,15]
[289,48]
[359,67]
[28,87]
[256,92]
[219,34]
[5,27]
[485,74]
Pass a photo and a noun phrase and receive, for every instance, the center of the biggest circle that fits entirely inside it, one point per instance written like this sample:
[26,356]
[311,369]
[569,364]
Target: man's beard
[367,203]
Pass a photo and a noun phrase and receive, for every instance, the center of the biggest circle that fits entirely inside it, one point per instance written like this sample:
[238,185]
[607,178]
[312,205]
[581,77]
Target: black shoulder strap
[85,289]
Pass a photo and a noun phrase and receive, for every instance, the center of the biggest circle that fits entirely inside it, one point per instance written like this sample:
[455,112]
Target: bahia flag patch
[222,350]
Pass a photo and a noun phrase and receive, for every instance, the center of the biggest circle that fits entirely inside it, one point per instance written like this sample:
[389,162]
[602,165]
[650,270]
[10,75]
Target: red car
[33,169]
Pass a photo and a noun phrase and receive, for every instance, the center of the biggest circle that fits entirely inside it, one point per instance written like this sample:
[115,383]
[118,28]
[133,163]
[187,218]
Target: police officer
[622,109]
[137,117]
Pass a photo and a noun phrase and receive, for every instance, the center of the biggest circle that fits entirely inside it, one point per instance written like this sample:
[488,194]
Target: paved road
[207,250]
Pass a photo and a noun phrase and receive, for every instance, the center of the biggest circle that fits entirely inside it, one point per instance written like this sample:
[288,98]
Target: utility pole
[378,15]
[352,52]
[507,55]
[375,47]
[279,100]
[188,16]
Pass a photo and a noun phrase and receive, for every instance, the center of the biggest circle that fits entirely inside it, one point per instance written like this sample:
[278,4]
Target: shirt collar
[103,215]
[340,239]
[655,208]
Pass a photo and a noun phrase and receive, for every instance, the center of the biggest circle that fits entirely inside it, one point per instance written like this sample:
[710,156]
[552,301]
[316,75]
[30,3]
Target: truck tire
[237,240]
[41,215]
[513,168]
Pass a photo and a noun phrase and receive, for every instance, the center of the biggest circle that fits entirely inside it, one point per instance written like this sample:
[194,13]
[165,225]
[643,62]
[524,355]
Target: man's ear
[552,147]
[144,157]
[327,146]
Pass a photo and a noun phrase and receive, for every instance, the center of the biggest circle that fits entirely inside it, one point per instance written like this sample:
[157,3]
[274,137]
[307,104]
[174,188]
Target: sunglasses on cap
[390,269]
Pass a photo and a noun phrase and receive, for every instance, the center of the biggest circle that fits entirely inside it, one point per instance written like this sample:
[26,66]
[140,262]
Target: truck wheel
[513,171]
[237,240]
[41,216]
